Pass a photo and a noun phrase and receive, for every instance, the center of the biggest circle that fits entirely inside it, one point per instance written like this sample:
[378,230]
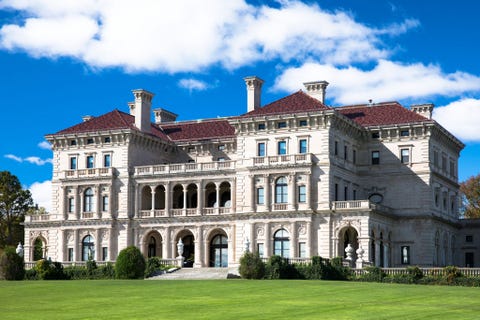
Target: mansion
[294,178]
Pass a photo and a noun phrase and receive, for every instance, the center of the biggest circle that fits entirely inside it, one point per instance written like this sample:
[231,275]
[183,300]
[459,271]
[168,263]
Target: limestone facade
[295,178]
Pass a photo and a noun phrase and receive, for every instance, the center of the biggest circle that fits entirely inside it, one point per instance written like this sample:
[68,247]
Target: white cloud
[193,84]
[386,81]
[42,194]
[188,35]
[32,159]
[461,118]
[45,145]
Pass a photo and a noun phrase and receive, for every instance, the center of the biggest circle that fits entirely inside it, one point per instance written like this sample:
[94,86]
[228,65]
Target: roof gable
[294,103]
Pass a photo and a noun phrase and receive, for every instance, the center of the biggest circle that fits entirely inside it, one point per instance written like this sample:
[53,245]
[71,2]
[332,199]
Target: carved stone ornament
[302,230]
[260,231]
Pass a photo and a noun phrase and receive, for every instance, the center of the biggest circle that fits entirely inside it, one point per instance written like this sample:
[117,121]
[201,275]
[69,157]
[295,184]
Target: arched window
[88,248]
[152,247]
[281,243]
[281,190]
[219,251]
[88,200]
[38,249]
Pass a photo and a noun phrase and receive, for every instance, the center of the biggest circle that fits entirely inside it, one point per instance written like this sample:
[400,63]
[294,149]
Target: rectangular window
[90,162]
[435,158]
[375,135]
[354,194]
[345,152]
[452,168]
[73,142]
[71,205]
[261,126]
[260,249]
[282,147]
[302,194]
[302,249]
[90,141]
[336,192]
[404,133]
[375,157]
[354,156]
[405,250]
[70,254]
[345,193]
[73,163]
[444,163]
[302,123]
[221,147]
[104,253]
[469,261]
[335,148]
[107,160]
[281,124]
[261,149]
[107,140]
[260,196]
[105,203]
[302,146]
[405,155]
[469,238]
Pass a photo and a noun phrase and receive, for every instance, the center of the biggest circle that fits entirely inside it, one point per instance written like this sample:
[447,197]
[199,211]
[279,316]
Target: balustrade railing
[283,159]
[184,167]
[86,173]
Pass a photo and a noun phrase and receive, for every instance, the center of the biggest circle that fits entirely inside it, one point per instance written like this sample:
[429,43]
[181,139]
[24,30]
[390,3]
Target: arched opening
[225,195]
[38,249]
[436,258]
[372,248]
[382,251]
[348,235]
[160,198]
[192,196]
[88,248]
[88,204]
[153,243]
[188,247]
[281,243]
[219,251]
[177,197]
[146,198]
[281,190]
[210,195]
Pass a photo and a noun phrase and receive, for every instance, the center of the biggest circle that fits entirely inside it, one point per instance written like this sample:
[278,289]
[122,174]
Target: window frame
[261,149]
[282,151]
[303,146]
[90,161]
[375,158]
[88,200]
[405,159]
[281,190]
[260,193]
[302,193]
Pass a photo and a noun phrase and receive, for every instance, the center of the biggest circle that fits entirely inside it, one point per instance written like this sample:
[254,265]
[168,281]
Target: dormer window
[302,123]
[221,147]
[90,141]
[404,133]
[281,125]
[261,126]
[107,140]
[375,135]
[73,142]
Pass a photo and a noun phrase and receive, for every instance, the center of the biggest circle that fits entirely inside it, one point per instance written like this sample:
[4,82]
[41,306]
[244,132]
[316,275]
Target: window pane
[282,147]
[302,194]
[281,193]
[405,155]
[303,146]
[375,157]
[260,196]
[73,163]
[90,162]
[107,161]
[261,149]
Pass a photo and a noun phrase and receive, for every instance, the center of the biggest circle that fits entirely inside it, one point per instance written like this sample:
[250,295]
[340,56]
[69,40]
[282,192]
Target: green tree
[130,264]
[471,197]
[14,203]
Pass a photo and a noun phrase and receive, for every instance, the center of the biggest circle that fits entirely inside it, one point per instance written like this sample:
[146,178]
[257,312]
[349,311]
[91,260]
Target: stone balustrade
[283,159]
[183,212]
[184,168]
[88,173]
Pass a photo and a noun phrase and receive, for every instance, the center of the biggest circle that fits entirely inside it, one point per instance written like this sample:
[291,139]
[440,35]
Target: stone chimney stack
[141,109]
[163,116]
[423,109]
[316,89]
[254,92]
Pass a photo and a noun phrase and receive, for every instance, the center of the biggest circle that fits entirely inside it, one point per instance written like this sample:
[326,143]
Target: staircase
[198,274]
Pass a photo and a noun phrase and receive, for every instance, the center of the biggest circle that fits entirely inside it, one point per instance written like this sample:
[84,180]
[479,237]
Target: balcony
[88,173]
[165,169]
[357,205]
[188,212]
[288,159]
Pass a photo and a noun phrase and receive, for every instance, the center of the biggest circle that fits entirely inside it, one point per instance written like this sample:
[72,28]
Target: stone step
[197,274]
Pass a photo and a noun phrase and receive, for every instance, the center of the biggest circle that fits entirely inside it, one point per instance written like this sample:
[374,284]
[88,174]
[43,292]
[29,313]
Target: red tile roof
[204,129]
[388,113]
[114,120]
[294,103]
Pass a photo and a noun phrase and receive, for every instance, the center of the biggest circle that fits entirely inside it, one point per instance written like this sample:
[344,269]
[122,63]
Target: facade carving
[294,177]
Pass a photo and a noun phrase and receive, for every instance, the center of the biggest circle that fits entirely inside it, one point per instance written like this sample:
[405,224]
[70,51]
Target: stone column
[78,196]
[310,239]
[77,246]
[309,191]
[217,195]
[293,241]
[184,186]
[98,245]
[200,197]
[65,203]
[137,205]
[268,241]
[153,200]
[292,198]
[252,239]
[233,195]
[167,199]
[253,196]
[386,255]
[198,263]
[377,253]
[98,191]
[268,192]
[166,245]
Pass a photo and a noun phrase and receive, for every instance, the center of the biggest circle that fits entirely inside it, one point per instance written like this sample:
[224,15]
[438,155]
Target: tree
[471,197]
[14,203]
[130,264]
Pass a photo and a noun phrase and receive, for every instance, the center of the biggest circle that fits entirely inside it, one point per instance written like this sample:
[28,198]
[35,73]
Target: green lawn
[233,299]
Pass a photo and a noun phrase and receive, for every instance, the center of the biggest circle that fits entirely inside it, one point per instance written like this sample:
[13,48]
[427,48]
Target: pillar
[98,245]
[98,191]
[166,245]
[292,201]
[233,195]
[152,188]
[268,241]
[77,246]
[199,246]
[167,199]
[268,192]
[293,240]
[184,186]
[200,197]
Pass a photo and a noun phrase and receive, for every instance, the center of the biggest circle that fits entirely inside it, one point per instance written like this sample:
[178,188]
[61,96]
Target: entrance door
[188,250]
[219,252]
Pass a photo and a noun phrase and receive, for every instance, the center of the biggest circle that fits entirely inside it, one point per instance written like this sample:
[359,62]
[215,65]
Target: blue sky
[60,60]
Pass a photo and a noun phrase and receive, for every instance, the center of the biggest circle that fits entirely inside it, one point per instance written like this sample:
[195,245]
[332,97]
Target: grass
[233,299]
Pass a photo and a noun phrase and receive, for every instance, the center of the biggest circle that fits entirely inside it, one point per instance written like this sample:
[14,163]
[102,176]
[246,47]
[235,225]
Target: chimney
[316,89]
[87,118]
[131,106]
[163,116]
[423,109]
[254,92]
[141,109]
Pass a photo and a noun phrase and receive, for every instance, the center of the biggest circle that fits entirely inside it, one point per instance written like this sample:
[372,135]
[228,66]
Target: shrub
[48,270]
[11,265]
[415,273]
[373,274]
[89,273]
[251,266]
[130,264]
[154,267]
[278,268]
[91,266]
[450,274]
